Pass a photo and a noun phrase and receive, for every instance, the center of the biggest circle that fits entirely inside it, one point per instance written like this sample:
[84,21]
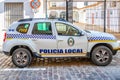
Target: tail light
[4,37]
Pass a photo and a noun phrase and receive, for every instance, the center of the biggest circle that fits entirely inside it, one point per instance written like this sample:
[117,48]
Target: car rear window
[23,28]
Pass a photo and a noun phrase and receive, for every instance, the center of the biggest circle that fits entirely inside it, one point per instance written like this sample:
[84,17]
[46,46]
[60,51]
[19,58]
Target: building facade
[13,10]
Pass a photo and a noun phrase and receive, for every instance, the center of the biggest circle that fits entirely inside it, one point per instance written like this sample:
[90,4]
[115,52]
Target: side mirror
[81,33]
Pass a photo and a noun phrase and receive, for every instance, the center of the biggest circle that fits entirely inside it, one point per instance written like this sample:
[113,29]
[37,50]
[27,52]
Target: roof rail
[28,19]
[31,19]
[61,19]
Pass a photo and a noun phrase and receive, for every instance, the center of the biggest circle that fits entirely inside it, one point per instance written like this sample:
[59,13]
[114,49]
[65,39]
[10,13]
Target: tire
[101,56]
[21,57]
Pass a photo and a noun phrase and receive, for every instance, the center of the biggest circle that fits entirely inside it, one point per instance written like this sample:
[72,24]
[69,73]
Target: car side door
[70,39]
[43,36]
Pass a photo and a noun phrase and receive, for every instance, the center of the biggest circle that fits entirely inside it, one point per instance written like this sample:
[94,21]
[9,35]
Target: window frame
[67,25]
[41,34]
[24,24]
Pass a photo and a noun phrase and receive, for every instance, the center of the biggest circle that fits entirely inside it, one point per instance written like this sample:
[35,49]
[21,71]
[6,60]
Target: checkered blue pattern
[22,36]
[94,35]
[100,38]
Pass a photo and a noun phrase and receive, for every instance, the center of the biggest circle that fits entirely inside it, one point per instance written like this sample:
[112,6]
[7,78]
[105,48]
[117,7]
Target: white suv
[29,38]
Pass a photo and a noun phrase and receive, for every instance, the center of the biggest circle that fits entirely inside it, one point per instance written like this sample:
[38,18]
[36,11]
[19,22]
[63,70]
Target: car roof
[41,19]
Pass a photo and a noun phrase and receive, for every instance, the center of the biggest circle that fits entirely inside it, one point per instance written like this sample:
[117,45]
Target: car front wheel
[101,56]
[21,57]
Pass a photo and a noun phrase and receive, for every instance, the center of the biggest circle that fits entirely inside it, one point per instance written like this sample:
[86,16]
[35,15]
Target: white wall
[1,21]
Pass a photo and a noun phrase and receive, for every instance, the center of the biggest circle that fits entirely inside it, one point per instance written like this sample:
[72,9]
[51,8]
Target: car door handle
[60,40]
[34,39]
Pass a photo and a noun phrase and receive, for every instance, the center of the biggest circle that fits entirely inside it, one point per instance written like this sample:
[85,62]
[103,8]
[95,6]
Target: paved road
[60,69]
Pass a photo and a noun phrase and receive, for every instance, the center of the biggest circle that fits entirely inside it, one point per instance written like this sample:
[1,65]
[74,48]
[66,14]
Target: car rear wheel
[101,56]
[21,57]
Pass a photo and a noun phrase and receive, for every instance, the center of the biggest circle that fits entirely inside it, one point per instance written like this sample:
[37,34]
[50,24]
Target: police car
[34,37]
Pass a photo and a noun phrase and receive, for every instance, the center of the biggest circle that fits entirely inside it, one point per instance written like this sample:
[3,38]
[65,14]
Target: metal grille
[13,12]
[98,15]
[113,16]
[92,16]
[89,15]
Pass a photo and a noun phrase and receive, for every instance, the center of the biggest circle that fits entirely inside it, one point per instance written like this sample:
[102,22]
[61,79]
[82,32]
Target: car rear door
[43,36]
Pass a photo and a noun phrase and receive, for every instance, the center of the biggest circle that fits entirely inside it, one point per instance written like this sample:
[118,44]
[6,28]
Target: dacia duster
[34,37]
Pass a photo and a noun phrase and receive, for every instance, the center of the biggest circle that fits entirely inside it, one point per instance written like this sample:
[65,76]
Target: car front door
[69,39]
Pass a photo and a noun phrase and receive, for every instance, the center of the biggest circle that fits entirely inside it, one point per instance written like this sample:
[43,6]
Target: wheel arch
[20,46]
[101,44]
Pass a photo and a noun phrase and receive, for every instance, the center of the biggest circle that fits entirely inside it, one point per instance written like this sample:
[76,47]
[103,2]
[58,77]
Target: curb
[1,49]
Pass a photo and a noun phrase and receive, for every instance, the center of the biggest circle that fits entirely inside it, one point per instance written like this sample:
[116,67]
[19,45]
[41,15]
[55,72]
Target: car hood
[98,36]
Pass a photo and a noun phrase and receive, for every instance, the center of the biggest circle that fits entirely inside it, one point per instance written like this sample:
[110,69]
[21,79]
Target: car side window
[42,28]
[66,30]
[23,28]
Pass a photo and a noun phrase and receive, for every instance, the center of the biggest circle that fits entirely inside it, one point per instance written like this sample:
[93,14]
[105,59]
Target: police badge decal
[70,41]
